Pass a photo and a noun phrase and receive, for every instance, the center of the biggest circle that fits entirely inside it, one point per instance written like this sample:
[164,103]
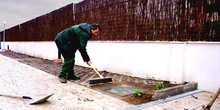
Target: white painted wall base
[171,61]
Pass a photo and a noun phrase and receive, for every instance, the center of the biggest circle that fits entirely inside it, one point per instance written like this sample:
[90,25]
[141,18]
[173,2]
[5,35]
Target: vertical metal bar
[59,55]
[4,35]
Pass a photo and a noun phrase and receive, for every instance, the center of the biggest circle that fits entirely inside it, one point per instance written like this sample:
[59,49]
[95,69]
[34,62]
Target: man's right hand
[89,62]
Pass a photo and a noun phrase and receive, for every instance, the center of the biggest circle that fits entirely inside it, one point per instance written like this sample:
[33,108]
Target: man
[69,41]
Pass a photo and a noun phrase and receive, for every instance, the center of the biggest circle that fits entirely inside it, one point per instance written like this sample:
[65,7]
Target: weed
[137,92]
[159,85]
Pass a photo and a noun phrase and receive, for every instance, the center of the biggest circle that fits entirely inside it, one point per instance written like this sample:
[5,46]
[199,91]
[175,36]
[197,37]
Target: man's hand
[89,62]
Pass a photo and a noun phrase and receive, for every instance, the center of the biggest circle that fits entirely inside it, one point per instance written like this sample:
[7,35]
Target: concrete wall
[171,61]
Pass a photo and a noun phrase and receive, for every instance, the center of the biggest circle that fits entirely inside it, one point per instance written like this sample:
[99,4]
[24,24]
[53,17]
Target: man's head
[95,29]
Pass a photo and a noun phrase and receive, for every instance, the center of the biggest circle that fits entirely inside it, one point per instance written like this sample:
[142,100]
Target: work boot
[73,78]
[62,79]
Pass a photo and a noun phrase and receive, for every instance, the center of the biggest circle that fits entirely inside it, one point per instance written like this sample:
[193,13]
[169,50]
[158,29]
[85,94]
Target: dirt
[146,96]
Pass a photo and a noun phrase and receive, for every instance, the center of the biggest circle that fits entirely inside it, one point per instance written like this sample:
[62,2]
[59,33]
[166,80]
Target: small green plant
[137,92]
[159,85]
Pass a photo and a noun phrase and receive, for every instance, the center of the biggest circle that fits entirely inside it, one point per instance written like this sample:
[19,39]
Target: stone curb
[171,91]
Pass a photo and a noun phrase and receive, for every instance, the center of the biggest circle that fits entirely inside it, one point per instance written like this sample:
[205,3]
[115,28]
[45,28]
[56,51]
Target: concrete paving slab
[165,106]
[191,102]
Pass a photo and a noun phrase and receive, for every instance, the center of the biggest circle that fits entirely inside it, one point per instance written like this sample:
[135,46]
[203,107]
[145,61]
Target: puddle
[121,90]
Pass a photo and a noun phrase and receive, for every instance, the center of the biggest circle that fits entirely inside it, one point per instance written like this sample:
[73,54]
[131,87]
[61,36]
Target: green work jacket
[72,39]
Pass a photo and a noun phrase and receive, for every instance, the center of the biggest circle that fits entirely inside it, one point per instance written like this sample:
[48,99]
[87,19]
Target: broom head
[96,81]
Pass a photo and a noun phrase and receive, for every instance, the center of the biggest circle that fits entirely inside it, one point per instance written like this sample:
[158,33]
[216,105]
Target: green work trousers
[68,68]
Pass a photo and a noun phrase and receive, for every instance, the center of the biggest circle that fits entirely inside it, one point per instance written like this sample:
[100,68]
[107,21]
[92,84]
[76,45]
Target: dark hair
[95,26]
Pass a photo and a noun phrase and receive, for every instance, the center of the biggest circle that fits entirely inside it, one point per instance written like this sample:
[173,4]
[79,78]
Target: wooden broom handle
[214,98]
[212,101]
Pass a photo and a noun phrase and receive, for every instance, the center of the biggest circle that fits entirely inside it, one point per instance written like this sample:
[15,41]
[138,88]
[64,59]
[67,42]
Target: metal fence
[129,20]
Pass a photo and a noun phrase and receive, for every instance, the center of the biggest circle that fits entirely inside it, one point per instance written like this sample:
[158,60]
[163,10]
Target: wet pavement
[26,75]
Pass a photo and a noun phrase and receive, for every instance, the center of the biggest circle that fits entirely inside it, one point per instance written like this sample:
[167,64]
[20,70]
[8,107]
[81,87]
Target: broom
[101,80]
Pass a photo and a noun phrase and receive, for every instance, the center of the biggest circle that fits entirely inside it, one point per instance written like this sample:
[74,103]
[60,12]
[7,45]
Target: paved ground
[21,79]
[84,73]
[19,76]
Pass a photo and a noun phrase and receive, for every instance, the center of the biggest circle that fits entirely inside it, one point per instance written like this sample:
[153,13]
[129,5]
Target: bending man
[69,41]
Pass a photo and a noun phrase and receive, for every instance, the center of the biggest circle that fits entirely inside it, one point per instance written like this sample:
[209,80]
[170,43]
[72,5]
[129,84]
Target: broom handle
[213,99]
[94,69]
[13,96]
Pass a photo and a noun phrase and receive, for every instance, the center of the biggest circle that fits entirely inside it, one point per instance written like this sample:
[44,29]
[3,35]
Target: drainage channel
[122,86]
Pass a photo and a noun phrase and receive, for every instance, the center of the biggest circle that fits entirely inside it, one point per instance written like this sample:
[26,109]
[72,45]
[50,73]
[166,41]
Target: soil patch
[146,96]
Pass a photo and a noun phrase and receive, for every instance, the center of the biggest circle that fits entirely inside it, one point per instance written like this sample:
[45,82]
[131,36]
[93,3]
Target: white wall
[46,50]
[203,65]
[171,61]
